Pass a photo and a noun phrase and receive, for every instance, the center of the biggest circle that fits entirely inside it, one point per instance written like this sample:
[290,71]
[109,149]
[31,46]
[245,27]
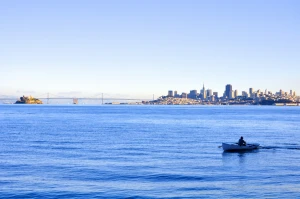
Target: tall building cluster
[231,94]
[203,94]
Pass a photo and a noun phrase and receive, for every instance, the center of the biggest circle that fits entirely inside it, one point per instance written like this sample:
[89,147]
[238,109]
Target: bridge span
[75,100]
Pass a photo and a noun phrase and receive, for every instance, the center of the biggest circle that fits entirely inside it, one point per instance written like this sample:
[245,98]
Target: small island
[28,100]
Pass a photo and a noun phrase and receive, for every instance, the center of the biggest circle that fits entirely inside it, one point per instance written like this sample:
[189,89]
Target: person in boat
[242,141]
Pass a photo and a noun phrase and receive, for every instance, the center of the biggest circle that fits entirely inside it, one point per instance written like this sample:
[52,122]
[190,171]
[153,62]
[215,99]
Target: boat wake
[290,147]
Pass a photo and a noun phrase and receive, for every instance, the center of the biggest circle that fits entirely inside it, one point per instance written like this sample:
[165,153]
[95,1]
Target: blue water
[148,152]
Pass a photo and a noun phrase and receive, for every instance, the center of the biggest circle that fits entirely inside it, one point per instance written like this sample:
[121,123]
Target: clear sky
[148,47]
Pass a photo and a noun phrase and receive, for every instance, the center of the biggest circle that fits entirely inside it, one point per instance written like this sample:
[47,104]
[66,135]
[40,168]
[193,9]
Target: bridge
[54,99]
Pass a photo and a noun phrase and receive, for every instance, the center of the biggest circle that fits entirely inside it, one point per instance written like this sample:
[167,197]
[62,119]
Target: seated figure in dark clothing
[242,141]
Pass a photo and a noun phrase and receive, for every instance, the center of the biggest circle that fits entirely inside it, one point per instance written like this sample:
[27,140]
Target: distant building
[200,96]
[193,94]
[215,94]
[250,92]
[228,90]
[235,93]
[209,92]
[170,93]
[281,92]
[184,95]
[231,95]
[203,93]
[245,94]
[175,94]
[261,93]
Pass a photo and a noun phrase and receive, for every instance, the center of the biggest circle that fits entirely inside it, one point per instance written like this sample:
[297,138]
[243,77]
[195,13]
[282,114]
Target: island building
[170,93]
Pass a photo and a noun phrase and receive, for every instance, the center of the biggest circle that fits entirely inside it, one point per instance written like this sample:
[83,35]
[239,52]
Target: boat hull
[236,147]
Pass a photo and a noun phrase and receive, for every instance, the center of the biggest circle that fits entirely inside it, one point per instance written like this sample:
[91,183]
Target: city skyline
[150,96]
[145,48]
[229,91]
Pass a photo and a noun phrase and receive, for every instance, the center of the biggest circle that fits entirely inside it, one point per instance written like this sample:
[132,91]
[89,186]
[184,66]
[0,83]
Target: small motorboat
[236,147]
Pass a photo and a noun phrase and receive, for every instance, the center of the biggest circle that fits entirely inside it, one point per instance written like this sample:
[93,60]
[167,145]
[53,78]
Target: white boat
[236,147]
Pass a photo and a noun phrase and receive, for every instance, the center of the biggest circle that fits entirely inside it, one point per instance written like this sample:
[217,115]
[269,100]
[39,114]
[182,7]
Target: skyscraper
[250,91]
[228,90]
[231,95]
[235,93]
[203,92]
[209,92]
[193,94]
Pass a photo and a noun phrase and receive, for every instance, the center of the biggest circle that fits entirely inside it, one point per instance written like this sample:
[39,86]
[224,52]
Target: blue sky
[148,47]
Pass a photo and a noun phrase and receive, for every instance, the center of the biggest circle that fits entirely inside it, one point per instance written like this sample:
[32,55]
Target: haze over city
[141,48]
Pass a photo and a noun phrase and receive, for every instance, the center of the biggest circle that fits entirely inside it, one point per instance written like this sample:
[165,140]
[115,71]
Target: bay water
[116,151]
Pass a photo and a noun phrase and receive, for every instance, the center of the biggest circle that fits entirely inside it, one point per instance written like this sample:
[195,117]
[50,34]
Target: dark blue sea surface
[120,151]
